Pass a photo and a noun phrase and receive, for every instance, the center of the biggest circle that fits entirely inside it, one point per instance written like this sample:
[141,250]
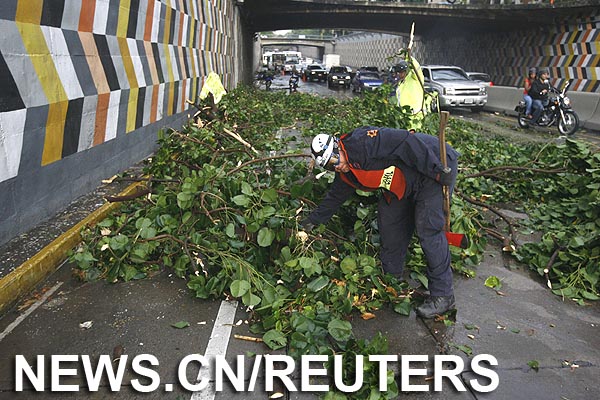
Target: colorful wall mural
[76,74]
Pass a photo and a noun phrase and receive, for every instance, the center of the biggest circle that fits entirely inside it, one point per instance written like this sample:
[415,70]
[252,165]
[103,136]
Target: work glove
[445,177]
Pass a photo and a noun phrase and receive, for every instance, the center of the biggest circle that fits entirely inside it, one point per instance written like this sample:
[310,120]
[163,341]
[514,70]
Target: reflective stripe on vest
[391,178]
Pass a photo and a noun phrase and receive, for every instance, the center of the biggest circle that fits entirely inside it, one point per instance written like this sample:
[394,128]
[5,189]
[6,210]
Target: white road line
[217,345]
[31,309]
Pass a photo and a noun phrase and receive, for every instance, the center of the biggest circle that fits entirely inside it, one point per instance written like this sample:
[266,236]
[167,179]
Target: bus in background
[275,60]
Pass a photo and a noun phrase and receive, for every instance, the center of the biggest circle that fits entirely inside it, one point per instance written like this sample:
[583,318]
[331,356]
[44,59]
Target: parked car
[315,72]
[338,76]
[481,77]
[366,80]
[454,87]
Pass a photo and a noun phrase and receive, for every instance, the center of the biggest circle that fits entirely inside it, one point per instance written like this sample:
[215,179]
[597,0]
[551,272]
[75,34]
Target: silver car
[454,87]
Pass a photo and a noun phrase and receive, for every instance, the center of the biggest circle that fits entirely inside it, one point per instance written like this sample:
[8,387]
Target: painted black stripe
[10,98]
[176,62]
[175,97]
[161,25]
[186,62]
[113,17]
[139,117]
[80,63]
[133,18]
[72,127]
[156,55]
[107,63]
[144,61]
[52,13]
[172,39]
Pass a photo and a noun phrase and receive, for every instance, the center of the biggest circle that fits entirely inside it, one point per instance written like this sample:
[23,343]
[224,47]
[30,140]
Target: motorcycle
[293,82]
[557,112]
[263,77]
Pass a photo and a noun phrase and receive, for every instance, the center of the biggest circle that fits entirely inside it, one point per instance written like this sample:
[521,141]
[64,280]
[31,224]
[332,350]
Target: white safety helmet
[326,151]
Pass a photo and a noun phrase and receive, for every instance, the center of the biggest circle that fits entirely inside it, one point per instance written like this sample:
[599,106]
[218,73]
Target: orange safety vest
[390,178]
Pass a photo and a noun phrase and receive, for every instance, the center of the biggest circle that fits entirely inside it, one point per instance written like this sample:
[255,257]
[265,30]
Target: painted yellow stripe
[124,6]
[169,63]
[191,30]
[55,128]
[132,110]
[167,24]
[127,63]
[29,11]
[35,44]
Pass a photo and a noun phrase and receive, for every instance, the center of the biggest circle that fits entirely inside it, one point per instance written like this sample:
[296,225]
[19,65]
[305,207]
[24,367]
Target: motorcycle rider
[526,88]
[539,92]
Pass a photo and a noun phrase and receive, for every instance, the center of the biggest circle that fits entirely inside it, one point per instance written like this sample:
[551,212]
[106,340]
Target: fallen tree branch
[492,209]
[140,193]
[236,169]
[506,168]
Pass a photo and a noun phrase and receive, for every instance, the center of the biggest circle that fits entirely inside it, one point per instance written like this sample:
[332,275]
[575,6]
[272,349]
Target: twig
[492,209]
[248,338]
[236,169]
[139,193]
[488,172]
[239,139]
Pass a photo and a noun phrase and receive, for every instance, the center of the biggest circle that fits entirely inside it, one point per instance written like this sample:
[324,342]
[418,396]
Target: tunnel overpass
[394,16]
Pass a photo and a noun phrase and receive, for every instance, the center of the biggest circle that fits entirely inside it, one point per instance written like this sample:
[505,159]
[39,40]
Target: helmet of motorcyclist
[544,71]
[325,150]
[401,66]
[532,70]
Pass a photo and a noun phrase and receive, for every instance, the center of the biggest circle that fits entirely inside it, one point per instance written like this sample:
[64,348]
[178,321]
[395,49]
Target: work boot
[435,305]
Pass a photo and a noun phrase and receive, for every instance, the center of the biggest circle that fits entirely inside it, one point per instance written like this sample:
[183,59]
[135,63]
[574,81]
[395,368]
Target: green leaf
[239,287]
[274,339]
[340,330]
[246,189]
[230,230]
[250,299]
[118,242]
[180,324]
[269,196]
[534,365]
[265,237]
[403,307]
[493,282]
[241,200]
[348,265]
[463,347]
[318,284]
[184,200]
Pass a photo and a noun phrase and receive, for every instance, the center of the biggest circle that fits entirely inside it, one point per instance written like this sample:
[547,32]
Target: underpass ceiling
[395,17]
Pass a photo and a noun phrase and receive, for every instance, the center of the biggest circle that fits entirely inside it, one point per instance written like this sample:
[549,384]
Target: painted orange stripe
[181,18]
[55,129]
[29,11]
[86,16]
[154,106]
[101,117]
[149,20]
[93,61]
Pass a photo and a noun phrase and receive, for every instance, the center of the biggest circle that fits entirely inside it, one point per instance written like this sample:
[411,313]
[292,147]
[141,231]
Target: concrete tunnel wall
[85,86]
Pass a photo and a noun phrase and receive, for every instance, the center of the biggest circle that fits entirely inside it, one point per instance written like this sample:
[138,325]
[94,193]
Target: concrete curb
[29,274]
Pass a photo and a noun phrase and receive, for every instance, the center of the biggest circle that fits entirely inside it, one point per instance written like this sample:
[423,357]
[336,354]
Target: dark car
[365,81]
[315,72]
[338,76]
[481,77]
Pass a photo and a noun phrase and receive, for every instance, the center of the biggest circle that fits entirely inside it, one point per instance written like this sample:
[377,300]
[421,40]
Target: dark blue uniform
[420,208]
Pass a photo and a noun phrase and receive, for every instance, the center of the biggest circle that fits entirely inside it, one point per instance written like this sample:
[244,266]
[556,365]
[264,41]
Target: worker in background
[410,91]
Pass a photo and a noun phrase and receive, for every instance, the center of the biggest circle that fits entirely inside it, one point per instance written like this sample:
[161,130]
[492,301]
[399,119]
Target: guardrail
[586,105]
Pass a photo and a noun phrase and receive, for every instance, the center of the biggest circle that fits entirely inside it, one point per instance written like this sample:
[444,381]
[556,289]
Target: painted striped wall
[571,49]
[77,73]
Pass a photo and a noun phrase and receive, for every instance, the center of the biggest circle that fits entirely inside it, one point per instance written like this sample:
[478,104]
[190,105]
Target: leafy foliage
[228,222]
